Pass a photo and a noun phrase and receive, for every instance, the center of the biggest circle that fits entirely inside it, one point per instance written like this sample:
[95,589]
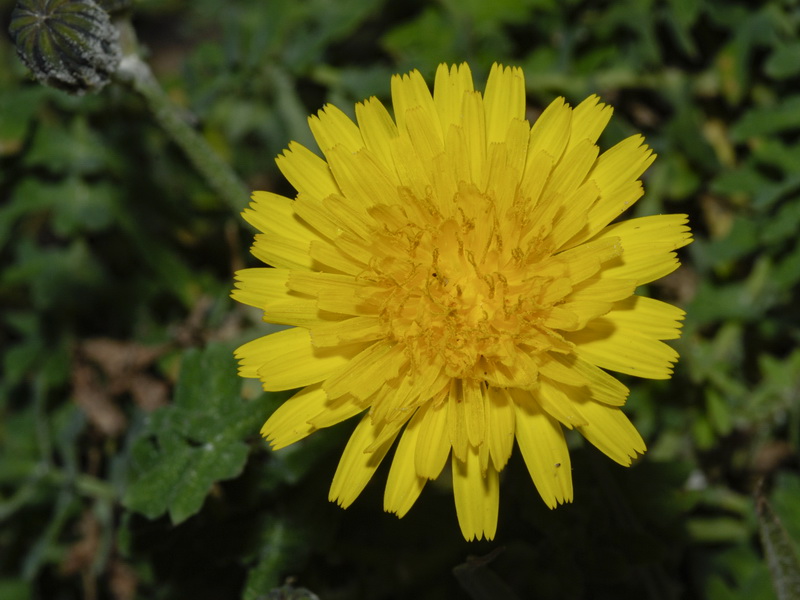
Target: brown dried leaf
[148,392]
[96,402]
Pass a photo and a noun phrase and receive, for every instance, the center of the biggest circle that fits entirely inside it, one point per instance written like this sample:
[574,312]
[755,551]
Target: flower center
[461,292]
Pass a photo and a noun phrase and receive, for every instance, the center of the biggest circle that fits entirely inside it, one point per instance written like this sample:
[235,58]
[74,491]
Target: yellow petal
[616,174]
[477,496]
[357,466]
[329,257]
[306,171]
[603,387]
[367,371]
[474,127]
[474,399]
[584,311]
[260,287]
[283,252]
[433,443]
[457,150]
[348,330]
[286,238]
[570,172]
[336,411]
[500,426]
[414,389]
[589,119]
[296,310]
[404,486]
[377,129]
[621,164]
[550,132]
[572,215]
[364,182]
[649,317]
[266,207]
[425,134]
[457,420]
[408,92]
[611,346]
[663,229]
[331,127]
[544,449]
[504,100]
[448,94]
[552,397]
[554,367]
[334,292]
[581,262]
[602,289]
[648,244]
[611,432]
[516,145]
[287,360]
[314,213]
[537,171]
[289,423]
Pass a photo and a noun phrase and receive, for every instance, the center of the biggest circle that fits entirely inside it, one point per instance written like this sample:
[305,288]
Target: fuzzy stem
[134,72]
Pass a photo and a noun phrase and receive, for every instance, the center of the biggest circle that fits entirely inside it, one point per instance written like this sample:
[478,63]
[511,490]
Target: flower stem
[136,73]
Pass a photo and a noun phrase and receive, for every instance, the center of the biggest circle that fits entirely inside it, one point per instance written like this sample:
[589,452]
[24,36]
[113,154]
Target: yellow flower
[451,274]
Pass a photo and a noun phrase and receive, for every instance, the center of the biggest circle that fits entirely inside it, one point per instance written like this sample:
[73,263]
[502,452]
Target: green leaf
[718,412]
[717,530]
[768,120]
[431,26]
[781,553]
[57,276]
[784,62]
[15,589]
[17,110]
[75,205]
[179,478]
[75,149]
[197,441]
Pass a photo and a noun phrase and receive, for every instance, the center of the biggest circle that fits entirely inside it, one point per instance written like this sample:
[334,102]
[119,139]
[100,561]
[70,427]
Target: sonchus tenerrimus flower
[453,277]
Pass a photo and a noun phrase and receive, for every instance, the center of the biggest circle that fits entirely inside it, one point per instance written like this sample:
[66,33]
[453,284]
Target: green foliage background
[130,461]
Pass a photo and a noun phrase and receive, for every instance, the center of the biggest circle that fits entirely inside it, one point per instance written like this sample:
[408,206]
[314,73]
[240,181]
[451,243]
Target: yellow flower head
[452,274]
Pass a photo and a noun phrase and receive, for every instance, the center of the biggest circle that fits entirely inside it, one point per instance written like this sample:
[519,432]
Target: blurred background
[130,461]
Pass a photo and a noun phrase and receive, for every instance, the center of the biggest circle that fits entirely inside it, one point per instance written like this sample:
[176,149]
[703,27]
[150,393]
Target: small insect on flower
[452,275]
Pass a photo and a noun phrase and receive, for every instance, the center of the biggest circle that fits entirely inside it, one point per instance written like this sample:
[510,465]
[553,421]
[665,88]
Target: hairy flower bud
[68,44]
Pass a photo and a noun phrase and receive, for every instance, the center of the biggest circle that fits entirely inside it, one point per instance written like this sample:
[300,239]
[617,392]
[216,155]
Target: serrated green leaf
[73,149]
[181,478]
[195,442]
[208,378]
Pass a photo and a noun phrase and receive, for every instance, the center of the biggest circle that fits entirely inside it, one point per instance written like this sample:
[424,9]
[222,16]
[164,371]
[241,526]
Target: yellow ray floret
[457,277]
